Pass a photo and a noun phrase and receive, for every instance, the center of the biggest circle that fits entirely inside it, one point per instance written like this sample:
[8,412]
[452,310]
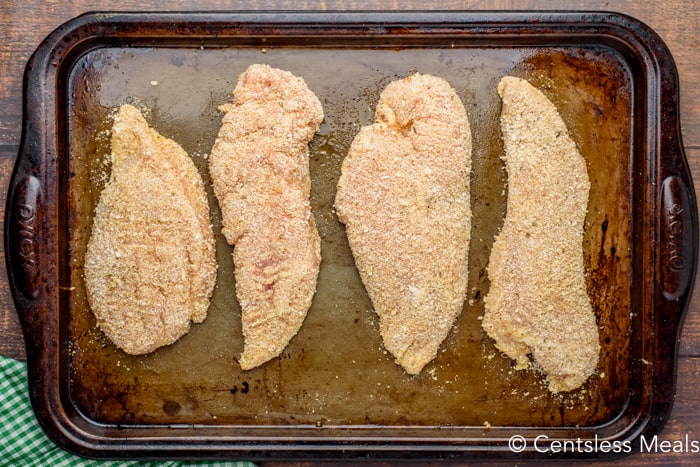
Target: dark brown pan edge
[665,218]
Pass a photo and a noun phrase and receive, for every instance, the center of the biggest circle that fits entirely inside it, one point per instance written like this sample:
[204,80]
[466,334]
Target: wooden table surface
[25,23]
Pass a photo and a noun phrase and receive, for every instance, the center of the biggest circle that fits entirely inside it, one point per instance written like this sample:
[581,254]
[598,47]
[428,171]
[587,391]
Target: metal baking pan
[335,393]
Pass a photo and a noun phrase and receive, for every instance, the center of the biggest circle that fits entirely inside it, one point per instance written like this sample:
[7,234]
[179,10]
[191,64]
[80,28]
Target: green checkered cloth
[22,441]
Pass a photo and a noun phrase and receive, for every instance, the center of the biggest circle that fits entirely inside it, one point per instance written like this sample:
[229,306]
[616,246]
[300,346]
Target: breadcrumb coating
[404,198]
[260,170]
[150,265]
[537,305]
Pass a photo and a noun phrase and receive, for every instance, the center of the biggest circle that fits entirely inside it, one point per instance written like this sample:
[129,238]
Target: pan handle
[678,237]
[25,217]
[675,256]
[22,233]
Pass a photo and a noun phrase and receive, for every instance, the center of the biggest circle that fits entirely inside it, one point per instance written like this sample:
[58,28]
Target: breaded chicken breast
[537,304]
[260,169]
[404,198]
[150,264]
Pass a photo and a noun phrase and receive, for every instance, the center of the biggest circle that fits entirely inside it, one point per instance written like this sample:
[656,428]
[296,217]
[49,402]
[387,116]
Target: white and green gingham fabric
[23,443]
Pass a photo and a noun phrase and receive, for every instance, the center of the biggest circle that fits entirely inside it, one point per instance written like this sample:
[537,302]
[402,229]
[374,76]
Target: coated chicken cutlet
[404,198]
[537,304]
[150,264]
[260,169]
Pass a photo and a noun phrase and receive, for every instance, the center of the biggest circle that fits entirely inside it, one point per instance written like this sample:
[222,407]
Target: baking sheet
[335,393]
[335,372]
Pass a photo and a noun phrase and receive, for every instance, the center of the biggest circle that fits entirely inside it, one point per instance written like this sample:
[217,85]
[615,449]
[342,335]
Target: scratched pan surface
[335,385]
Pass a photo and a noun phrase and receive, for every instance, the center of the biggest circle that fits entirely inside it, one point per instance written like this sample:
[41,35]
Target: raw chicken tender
[150,264]
[260,169]
[404,198]
[537,304]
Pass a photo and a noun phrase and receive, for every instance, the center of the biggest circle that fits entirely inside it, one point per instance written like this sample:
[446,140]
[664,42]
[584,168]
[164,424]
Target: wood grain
[25,24]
